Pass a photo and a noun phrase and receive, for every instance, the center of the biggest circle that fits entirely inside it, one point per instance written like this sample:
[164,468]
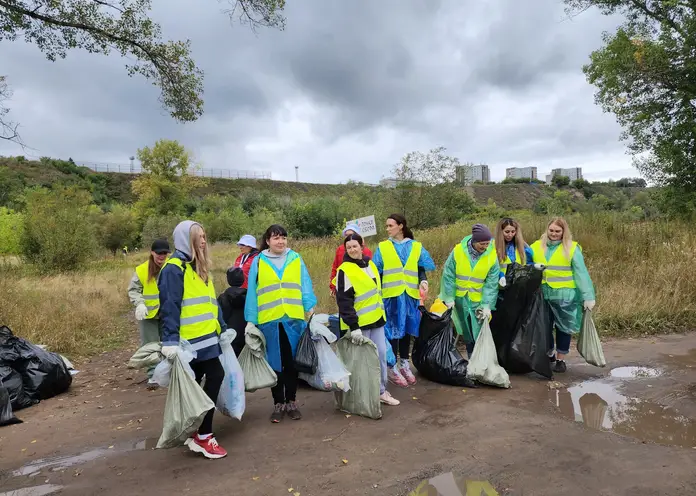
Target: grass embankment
[642,272]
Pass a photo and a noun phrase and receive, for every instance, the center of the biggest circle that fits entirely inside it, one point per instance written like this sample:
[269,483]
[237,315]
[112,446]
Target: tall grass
[642,272]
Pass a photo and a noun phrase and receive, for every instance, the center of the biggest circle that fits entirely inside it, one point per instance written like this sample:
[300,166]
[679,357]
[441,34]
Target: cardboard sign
[367,225]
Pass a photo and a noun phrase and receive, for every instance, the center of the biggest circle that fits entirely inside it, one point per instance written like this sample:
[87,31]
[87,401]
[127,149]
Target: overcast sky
[344,92]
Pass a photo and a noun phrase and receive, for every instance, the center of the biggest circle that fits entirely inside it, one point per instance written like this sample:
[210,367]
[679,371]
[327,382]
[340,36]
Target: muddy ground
[528,440]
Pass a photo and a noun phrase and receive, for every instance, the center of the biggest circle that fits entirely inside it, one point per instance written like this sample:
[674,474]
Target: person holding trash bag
[341,252]
[247,254]
[279,295]
[189,311]
[402,263]
[360,306]
[510,247]
[469,283]
[144,294]
[567,286]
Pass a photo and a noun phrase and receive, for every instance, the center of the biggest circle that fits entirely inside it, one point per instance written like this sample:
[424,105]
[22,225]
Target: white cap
[247,240]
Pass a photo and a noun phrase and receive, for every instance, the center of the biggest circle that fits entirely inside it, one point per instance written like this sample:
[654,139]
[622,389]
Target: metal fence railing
[136,169]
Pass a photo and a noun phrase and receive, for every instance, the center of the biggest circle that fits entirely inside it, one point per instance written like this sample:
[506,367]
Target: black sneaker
[292,411]
[278,413]
[560,366]
[552,359]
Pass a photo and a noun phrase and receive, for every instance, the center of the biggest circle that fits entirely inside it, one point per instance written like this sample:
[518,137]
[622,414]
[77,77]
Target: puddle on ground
[450,485]
[599,405]
[34,491]
[58,463]
[634,373]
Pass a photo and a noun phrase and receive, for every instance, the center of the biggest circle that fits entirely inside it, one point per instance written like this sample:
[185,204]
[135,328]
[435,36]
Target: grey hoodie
[277,260]
[182,237]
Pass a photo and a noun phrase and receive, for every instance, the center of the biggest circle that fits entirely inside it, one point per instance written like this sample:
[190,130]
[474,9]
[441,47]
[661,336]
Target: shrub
[10,231]
[157,227]
[314,218]
[57,232]
[118,228]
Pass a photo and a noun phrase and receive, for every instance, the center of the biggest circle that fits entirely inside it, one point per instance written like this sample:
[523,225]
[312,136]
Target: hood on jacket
[235,276]
[182,237]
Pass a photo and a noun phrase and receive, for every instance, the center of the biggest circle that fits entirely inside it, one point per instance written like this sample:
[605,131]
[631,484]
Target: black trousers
[401,347]
[214,375]
[286,389]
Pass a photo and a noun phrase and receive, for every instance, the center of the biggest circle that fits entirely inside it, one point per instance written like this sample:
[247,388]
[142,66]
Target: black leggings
[401,347]
[214,375]
[286,389]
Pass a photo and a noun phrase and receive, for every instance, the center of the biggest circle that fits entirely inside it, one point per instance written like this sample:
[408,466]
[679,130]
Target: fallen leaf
[295,494]
[345,462]
[290,489]
[111,447]
[463,390]
[348,416]
[33,442]
[23,450]
[415,398]
[254,478]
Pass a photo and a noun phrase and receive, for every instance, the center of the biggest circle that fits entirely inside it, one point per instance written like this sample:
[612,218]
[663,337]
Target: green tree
[10,231]
[561,181]
[118,228]
[644,75]
[58,233]
[124,27]
[166,183]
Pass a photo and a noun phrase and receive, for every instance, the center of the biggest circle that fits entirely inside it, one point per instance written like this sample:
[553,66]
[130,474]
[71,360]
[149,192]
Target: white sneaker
[388,399]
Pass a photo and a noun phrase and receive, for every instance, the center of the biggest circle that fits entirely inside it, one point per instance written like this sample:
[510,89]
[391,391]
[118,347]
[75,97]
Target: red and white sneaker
[209,447]
[406,373]
[395,377]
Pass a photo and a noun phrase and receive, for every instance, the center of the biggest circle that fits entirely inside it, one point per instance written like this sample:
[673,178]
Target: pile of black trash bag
[28,374]
[434,352]
[521,324]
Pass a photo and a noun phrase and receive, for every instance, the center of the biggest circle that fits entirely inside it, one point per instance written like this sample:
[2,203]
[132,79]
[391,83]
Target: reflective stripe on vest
[150,290]
[470,281]
[199,307]
[507,262]
[368,298]
[559,271]
[397,278]
[278,298]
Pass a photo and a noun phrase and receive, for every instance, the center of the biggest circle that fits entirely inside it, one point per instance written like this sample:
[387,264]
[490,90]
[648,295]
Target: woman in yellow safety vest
[278,297]
[144,295]
[567,285]
[470,283]
[360,306]
[402,263]
[510,247]
[189,311]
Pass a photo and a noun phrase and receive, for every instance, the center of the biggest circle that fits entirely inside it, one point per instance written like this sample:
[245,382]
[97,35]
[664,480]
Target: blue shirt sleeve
[251,306]
[171,292]
[425,260]
[309,301]
[529,254]
[221,320]
[377,260]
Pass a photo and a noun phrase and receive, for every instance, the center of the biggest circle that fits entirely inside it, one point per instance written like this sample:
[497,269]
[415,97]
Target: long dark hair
[518,240]
[274,230]
[400,219]
[153,269]
[353,237]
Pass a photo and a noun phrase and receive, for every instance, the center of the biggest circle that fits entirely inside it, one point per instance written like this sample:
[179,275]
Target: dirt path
[524,441]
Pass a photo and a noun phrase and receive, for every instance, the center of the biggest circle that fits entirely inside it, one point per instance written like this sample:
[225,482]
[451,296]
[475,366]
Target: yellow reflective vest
[199,307]
[279,297]
[559,271]
[471,281]
[368,293]
[506,263]
[397,278]
[150,290]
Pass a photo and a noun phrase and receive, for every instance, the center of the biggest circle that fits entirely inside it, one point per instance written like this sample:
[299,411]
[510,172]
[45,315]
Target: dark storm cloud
[345,90]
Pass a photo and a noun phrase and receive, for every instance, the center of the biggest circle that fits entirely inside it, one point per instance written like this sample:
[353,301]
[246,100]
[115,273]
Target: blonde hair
[518,240]
[566,240]
[201,256]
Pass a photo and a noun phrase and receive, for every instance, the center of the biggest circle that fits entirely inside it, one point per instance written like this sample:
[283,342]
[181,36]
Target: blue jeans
[562,342]
[378,337]
[469,349]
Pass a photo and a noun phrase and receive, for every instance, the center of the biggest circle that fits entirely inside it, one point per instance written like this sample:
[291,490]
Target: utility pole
[297,173]
[132,158]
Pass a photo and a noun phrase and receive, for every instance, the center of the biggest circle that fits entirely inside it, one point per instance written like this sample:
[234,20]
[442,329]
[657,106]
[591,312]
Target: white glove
[502,282]
[424,285]
[141,312]
[250,327]
[449,304]
[539,266]
[589,305]
[483,312]
[357,337]
[169,352]
[227,337]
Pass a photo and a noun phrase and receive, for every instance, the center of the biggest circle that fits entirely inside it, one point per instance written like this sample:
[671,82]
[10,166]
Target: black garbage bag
[434,353]
[44,374]
[521,323]
[12,382]
[306,359]
[7,417]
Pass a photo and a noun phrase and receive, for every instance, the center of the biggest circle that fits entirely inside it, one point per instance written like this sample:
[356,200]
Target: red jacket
[338,260]
[246,266]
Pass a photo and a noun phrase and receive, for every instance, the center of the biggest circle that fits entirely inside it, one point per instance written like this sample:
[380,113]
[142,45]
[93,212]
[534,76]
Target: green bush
[118,228]
[314,218]
[58,234]
[10,231]
[159,227]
